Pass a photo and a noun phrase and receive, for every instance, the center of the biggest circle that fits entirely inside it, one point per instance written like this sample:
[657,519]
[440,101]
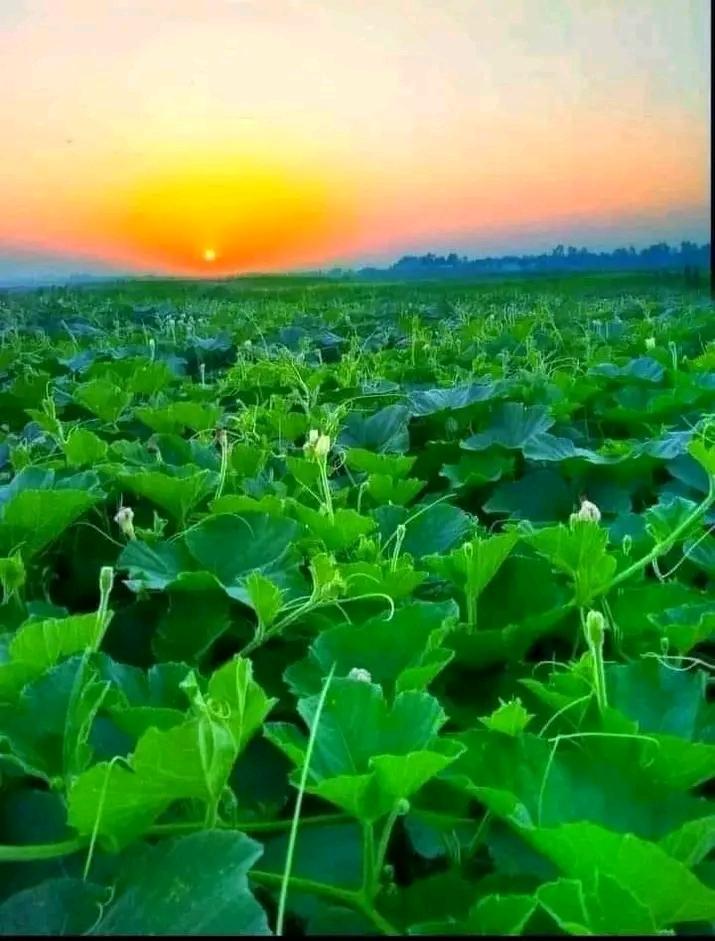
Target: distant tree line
[689,258]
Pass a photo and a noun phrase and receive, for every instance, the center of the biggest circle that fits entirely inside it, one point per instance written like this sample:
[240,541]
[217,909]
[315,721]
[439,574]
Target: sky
[208,137]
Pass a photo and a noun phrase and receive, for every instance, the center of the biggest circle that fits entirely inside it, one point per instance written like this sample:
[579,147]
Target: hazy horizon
[277,135]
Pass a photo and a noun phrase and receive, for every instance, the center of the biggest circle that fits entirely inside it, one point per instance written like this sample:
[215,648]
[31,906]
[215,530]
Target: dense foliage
[356,609]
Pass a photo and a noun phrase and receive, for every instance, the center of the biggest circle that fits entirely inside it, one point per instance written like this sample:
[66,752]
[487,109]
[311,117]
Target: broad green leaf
[512,426]
[56,907]
[265,598]
[83,448]
[581,551]
[368,756]
[400,653]
[475,470]
[154,566]
[541,496]
[384,431]
[453,398]
[384,489]
[177,494]
[198,615]
[103,398]
[33,519]
[176,417]
[337,534]
[472,566]
[190,760]
[189,885]
[395,466]
[429,528]
[662,885]
[231,547]
[46,730]
[663,518]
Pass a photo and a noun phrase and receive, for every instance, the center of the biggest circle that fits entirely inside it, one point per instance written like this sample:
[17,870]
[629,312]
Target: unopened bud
[403,807]
[650,343]
[322,446]
[589,511]
[595,628]
[106,579]
[363,676]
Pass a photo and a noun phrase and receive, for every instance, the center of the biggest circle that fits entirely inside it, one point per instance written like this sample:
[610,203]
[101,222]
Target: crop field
[357,609]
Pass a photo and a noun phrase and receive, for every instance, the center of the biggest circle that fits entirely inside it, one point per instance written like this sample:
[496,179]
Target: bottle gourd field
[339,608]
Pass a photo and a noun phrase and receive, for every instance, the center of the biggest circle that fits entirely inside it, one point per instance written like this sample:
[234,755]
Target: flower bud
[589,511]
[106,579]
[322,446]
[650,343]
[403,807]
[363,676]
[595,628]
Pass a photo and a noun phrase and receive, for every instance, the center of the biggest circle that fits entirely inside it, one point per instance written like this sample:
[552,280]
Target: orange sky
[270,134]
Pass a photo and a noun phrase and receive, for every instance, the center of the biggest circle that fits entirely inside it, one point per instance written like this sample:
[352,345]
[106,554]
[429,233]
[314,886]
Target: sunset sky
[217,136]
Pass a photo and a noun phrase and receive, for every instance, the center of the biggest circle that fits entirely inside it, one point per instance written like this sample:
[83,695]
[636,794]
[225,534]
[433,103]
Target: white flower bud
[589,511]
[595,628]
[322,446]
[124,518]
[357,673]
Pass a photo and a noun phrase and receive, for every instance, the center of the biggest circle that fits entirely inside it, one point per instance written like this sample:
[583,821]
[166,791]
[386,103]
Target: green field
[333,607]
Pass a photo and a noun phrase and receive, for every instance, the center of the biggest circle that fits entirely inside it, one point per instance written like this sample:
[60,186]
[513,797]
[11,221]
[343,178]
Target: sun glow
[239,212]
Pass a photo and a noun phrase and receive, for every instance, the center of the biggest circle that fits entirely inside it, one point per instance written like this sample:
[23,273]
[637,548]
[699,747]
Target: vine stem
[33,851]
[353,899]
[299,802]
[664,546]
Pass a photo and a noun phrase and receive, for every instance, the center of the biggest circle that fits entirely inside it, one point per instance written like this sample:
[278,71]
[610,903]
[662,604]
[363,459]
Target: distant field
[437,559]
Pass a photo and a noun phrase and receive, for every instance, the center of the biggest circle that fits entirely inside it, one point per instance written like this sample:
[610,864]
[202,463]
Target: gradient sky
[212,136]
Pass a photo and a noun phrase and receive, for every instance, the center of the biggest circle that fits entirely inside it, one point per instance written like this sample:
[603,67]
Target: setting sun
[209,255]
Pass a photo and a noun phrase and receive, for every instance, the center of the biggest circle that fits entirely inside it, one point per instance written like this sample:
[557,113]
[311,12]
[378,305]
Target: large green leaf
[661,885]
[400,653]
[429,528]
[189,760]
[190,885]
[32,519]
[56,907]
[177,493]
[368,756]
[384,431]
[512,426]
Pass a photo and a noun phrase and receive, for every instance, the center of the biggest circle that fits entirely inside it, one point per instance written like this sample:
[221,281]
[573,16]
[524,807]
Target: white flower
[357,673]
[124,518]
[322,446]
[589,511]
[650,343]
[317,443]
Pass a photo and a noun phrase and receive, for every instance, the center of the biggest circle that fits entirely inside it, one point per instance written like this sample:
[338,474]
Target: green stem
[383,845]
[327,495]
[368,861]
[352,899]
[299,802]
[667,544]
[33,851]
[246,826]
